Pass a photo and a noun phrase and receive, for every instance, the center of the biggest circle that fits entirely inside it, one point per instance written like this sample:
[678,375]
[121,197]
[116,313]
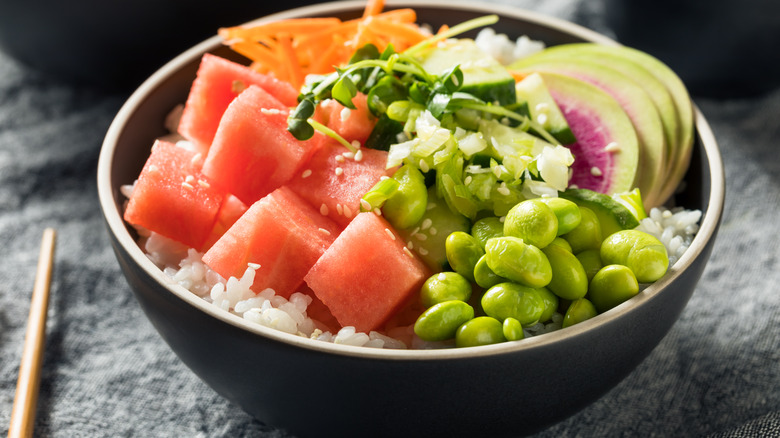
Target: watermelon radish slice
[607,148]
[638,106]
[217,83]
[172,198]
[253,153]
[281,233]
[367,274]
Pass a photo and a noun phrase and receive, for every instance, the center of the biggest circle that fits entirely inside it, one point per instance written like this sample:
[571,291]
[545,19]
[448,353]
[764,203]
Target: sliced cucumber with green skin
[428,236]
[483,76]
[613,216]
[543,109]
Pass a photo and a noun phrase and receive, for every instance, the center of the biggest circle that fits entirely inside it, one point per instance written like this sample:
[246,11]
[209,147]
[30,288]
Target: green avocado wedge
[606,152]
[637,104]
[649,72]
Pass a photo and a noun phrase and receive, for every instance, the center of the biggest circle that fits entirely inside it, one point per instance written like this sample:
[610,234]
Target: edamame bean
[511,258]
[591,262]
[566,211]
[482,330]
[444,286]
[560,241]
[569,280]
[578,311]
[645,255]
[440,321]
[463,251]
[586,235]
[484,276]
[487,227]
[406,206]
[551,303]
[513,330]
[512,300]
[612,285]
[533,221]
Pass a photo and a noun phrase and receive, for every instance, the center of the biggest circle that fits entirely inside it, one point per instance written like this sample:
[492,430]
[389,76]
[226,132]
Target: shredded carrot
[294,48]
[517,75]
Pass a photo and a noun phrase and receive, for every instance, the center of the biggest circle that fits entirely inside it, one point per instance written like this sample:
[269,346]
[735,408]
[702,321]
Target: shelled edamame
[546,256]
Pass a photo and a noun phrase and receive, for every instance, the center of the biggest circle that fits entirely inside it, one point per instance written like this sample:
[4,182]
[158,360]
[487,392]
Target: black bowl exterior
[317,389]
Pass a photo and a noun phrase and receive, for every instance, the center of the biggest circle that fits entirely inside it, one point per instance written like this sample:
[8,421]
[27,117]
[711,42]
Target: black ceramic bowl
[318,389]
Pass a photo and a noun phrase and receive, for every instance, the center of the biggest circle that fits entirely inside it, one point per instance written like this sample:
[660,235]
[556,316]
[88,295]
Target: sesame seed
[204,184]
[348,154]
[422,251]
[390,233]
[430,206]
[355,144]
[324,210]
[340,158]
[324,231]
[359,155]
[339,209]
[433,231]
[503,190]
[414,231]
[442,276]
[408,252]
[421,236]
[339,171]
[574,186]
[468,179]
[383,177]
[153,168]
[196,159]
[426,223]
[541,119]
[377,211]
[595,171]
[424,166]
[347,212]
[187,185]
[542,106]
[365,205]
[612,147]
[306,173]
[270,111]
[410,244]
[253,265]
[345,113]
[502,219]
[189,179]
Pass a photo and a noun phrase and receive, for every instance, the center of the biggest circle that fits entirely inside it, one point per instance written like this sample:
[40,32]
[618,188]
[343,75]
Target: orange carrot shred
[373,7]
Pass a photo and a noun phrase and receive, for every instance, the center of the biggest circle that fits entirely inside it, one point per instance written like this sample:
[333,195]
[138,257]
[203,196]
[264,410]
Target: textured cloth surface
[107,373]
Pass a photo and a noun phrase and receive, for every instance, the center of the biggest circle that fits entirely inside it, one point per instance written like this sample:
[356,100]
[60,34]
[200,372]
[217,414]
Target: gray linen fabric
[107,373]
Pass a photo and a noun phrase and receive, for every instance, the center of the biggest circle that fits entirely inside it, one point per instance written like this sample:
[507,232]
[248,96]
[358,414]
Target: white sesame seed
[365,205]
[390,233]
[345,113]
[422,251]
[542,106]
[424,166]
[410,244]
[187,185]
[383,177]
[414,231]
[359,155]
[468,179]
[324,231]
[340,158]
[348,154]
[339,171]
[377,211]
[270,111]
[253,265]
[153,168]
[306,173]
[339,209]
[426,223]
[347,212]
[612,147]
[196,159]
[204,184]
[541,118]
[595,171]
[433,231]
[189,179]
[408,252]
[324,210]
[355,144]
[503,191]
[421,236]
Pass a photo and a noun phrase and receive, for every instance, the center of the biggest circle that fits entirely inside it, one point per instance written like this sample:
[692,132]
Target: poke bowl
[313,387]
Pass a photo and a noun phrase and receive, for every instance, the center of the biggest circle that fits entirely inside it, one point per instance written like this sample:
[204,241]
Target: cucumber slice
[483,76]
[613,215]
[543,109]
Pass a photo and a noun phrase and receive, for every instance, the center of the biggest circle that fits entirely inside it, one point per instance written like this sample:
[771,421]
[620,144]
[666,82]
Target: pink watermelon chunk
[281,233]
[596,120]
[253,153]
[172,197]
[232,209]
[353,125]
[217,83]
[334,184]
[367,274]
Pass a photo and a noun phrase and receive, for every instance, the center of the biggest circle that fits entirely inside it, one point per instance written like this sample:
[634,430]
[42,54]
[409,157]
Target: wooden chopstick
[25,401]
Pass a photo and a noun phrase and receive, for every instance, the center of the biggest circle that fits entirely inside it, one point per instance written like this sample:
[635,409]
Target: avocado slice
[597,120]
[483,76]
[638,105]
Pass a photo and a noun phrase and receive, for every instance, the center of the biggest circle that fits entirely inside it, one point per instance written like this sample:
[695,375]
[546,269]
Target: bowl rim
[117,226]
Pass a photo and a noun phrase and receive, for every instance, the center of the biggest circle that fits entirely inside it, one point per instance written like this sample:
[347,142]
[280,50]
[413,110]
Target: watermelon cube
[217,83]
[253,154]
[367,274]
[334,184]
[352,124]
[281,233]
[171,197]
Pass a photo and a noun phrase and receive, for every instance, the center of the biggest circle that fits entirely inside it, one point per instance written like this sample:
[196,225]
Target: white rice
[675,228]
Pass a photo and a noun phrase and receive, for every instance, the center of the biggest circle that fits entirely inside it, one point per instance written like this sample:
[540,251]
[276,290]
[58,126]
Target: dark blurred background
[720,48]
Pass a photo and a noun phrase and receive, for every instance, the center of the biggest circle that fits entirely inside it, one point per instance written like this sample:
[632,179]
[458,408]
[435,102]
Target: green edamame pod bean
[566,211]
[533,221]
[591,262]
[440,321]
[512,300]
[513,330]
[645,255]
[551,302]
[612,285]
[560,241]
[482,330]
[569,280]
[484,276]
[578,311]
[511,258]
[463,251]
[486,228]
[586,235]
[406,206]
[444,286]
